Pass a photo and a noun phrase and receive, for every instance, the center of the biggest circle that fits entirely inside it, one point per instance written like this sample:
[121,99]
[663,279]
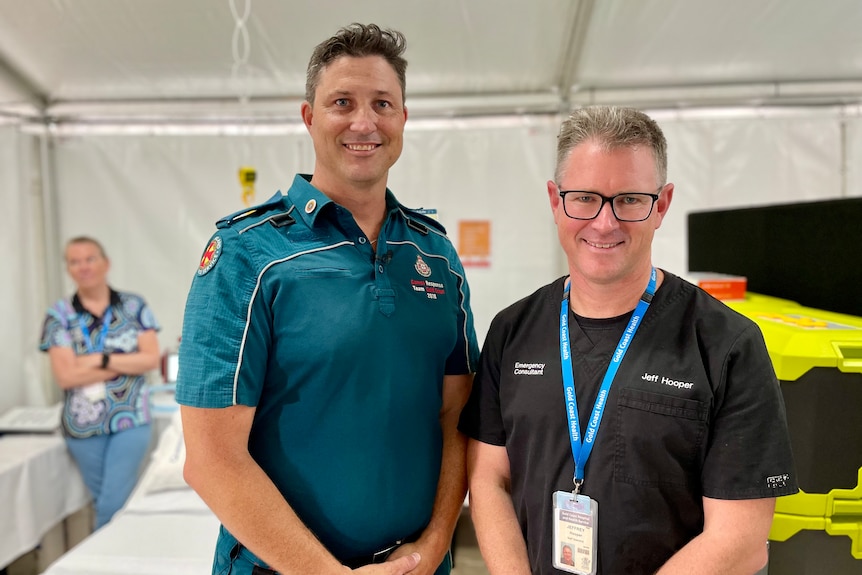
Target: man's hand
[399,566]
[432,561]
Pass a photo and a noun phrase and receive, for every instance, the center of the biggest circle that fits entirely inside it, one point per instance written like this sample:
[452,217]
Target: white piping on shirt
[254,295]
[462,297]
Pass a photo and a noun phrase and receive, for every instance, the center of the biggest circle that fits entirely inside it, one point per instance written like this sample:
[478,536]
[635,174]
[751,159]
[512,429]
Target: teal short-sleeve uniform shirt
[342,350]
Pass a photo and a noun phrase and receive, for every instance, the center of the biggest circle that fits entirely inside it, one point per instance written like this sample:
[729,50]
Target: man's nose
[364,120]
[606,218]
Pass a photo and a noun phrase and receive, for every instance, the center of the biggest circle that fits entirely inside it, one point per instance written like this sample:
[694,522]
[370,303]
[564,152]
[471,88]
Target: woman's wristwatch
[106,357]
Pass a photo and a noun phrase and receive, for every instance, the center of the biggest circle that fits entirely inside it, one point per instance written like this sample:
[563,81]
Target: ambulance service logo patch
[422,268]
[210,257]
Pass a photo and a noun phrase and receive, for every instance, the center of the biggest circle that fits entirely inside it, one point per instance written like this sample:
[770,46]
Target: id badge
[576,523]
[95,392]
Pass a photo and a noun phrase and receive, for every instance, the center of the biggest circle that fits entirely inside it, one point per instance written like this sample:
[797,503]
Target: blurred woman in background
[101,342]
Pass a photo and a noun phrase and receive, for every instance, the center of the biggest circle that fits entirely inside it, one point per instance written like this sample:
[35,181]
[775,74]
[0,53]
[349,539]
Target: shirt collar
[310,201]
[79,308]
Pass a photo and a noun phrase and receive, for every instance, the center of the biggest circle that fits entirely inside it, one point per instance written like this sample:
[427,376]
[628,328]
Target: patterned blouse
[121,403]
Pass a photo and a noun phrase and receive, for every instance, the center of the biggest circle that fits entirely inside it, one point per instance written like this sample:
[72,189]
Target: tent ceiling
[79,59]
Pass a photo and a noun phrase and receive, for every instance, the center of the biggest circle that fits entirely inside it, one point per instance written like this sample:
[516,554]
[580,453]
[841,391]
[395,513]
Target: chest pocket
[659,439]
[322,273]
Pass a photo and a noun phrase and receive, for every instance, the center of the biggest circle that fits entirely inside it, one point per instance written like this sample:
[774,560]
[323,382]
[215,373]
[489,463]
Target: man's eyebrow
[342,92]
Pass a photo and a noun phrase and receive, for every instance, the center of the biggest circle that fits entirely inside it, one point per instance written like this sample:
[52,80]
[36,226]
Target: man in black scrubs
[620,410]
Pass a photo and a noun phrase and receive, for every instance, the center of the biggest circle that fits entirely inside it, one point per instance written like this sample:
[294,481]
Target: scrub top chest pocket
[659,438]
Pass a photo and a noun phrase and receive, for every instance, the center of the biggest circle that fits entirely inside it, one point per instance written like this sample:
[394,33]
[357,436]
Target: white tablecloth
[164,529]
[145,544]
[39,487]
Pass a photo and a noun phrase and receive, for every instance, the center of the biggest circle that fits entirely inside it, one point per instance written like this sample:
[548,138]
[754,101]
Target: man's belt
[383,554]
[354,563]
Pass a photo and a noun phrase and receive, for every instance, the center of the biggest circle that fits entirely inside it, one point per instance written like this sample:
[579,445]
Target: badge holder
[95,392]
[576,522]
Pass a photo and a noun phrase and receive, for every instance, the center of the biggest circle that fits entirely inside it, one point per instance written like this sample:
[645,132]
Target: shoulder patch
[211,256]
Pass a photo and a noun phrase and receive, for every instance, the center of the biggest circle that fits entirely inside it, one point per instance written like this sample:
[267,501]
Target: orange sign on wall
[474,243]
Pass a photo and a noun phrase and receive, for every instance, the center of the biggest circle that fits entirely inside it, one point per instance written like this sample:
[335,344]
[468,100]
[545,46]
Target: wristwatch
[106,357]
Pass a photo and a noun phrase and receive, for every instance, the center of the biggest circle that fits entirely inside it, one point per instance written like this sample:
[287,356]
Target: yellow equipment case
[817,357]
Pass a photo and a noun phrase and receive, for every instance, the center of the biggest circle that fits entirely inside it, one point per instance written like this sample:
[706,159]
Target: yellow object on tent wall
[247,176]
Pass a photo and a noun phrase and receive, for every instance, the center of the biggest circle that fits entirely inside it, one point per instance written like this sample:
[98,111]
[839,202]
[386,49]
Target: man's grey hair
[357,41]
[611,127]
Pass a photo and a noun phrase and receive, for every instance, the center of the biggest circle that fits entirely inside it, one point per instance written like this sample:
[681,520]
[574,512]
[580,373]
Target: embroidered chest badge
[429,288]
[422,268]
[210,257]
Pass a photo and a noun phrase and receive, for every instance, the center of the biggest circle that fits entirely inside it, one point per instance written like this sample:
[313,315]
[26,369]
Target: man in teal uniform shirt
[328,348]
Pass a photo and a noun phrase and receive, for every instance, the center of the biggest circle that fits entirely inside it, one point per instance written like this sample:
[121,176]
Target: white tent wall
[733,159]
[852,165]
[22,290]
[153,198]
[153,202]
[494,170]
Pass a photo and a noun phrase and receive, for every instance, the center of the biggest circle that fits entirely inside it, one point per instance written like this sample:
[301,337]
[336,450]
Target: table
[39,487]
[165,528]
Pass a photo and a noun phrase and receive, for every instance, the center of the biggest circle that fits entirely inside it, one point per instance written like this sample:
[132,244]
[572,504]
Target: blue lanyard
[581,451]
[85,331]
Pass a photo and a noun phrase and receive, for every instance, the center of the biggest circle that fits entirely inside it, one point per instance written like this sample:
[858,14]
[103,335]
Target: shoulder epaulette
[282,220]
[272,203]
[421,222]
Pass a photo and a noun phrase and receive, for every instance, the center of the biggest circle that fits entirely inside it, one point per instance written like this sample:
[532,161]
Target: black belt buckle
[383,554]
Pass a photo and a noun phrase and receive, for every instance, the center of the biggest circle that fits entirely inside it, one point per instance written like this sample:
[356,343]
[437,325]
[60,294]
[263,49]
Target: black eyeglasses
[627,207]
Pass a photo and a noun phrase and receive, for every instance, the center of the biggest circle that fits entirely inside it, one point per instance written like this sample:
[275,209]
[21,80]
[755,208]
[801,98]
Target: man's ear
[307,114]
[555,200]
[553,194]
[662,204]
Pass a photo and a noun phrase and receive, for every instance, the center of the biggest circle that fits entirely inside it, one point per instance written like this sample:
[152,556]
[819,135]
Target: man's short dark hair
[358,40]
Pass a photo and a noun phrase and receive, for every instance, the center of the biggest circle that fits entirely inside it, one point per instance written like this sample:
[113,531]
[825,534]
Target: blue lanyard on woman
[100,342]
[581,451]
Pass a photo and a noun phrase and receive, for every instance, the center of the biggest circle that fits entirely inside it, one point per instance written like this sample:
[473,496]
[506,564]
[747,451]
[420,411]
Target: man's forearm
[243,497]
[436,538]
[452,480]
[706,558]
[733,541]
[451,489]
[500,539]
[248,504]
